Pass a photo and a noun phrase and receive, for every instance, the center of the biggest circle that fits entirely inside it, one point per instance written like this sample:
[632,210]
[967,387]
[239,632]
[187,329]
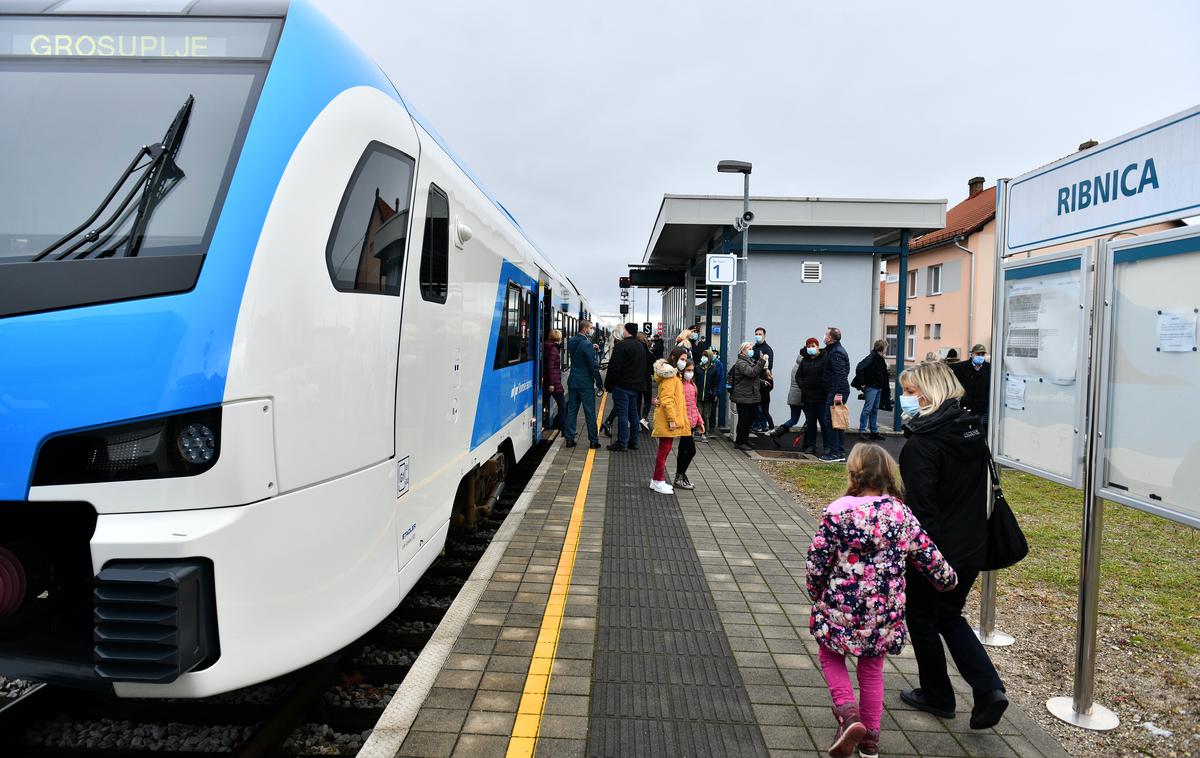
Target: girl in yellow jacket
[670,415]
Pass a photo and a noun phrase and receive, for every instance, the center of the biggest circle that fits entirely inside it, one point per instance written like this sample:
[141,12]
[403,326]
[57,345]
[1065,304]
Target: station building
[812,263]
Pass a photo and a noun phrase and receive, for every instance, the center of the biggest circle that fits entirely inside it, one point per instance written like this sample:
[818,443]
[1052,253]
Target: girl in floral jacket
[856,580]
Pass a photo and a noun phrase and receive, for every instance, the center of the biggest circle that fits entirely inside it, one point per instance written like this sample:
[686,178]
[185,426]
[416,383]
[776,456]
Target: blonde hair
[743,347]
[870,468]
[555,335]
[879,345]
[933,381]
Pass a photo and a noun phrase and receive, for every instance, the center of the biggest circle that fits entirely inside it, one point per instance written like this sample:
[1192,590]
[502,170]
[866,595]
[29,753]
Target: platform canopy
[686,223]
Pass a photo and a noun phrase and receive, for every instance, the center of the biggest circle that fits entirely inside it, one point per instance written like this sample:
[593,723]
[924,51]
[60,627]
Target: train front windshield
[82,96]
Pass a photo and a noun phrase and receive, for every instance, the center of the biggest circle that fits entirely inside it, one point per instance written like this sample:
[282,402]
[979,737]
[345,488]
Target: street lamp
[743,225]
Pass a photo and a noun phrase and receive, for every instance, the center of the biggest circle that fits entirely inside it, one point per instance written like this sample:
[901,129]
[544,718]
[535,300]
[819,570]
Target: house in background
[950,277]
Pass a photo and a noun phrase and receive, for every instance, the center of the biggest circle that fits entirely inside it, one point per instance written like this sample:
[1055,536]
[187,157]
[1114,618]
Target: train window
[365,252]
[512,347]
[435,249]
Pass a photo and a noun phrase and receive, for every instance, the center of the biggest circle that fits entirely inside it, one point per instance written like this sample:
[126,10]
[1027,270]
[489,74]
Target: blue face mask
[703,360]
[977,360]
[811,350]
[758,338]
[909,405]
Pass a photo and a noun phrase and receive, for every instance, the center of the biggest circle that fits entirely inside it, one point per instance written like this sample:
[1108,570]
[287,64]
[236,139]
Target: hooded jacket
[944,465]
[626,366]
[671,403]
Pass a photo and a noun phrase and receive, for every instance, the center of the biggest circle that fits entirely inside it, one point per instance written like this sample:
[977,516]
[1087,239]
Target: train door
[429,380]
[545,324]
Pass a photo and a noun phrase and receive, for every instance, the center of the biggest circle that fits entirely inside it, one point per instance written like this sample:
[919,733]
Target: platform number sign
[646,326]
[720,269]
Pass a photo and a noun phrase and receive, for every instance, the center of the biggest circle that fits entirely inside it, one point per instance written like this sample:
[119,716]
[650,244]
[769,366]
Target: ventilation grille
[153,621]
[810,272]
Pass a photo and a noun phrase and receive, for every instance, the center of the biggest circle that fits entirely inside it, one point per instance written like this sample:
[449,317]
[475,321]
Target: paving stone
[428,745]
[480,746]
[488,722]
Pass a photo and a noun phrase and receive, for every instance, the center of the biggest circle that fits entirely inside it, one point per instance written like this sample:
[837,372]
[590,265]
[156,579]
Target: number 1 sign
[720,269]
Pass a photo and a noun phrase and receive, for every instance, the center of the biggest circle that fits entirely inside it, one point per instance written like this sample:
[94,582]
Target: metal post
[986,631]
[1080,709]
[901,322]
[745,253]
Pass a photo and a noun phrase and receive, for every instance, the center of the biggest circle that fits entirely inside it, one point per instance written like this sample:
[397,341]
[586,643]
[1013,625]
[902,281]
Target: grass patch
[1150,567]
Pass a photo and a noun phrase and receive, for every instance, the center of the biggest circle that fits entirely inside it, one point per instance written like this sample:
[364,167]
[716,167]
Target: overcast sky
[579,117]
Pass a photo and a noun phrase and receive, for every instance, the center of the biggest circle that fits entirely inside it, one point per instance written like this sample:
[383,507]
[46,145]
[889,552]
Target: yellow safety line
[528,725]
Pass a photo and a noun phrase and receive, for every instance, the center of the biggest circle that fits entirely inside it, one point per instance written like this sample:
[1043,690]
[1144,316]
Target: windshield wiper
[160,176]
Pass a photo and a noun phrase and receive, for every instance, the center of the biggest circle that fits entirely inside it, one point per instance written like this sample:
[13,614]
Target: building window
[365,252]
[912,283]
[512,345]
[937,331]
[810,272]
[935,279]
[927,331]
[435,248]
[910,342]
[890,334]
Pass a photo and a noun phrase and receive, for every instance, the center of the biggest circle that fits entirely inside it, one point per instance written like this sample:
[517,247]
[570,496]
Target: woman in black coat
[944,465]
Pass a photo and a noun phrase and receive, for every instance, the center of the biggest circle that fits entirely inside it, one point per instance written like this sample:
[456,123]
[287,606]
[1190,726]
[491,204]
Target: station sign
[1140,178]
[720,269]
[646,328]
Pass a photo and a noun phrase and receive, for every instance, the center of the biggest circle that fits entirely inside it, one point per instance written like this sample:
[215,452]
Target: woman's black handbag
[1006,544]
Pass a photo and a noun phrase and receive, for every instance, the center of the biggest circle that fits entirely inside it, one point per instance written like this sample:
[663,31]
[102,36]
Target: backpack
[862,366]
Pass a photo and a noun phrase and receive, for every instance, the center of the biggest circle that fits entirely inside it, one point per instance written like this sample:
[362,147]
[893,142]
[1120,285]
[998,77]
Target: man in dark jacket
[625,379]
[871,378]
[837,387]
[762,418]
[582,385]
[975,375]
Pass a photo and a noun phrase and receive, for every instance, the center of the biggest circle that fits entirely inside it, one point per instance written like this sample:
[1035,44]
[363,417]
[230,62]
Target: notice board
[1149,403]
[1042,348]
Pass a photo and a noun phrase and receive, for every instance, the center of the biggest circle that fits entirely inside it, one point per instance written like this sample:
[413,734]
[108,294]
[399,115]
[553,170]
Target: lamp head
[734,167]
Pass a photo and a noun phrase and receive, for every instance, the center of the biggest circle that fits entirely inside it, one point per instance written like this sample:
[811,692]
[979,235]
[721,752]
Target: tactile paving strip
[665,682]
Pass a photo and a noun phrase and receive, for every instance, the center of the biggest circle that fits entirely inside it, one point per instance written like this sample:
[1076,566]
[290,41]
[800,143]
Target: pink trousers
[870,684]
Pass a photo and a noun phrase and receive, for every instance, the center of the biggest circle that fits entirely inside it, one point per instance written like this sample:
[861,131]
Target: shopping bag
[839,416]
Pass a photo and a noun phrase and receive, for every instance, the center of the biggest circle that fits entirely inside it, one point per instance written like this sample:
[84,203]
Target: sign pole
[986,631]
[1081,709]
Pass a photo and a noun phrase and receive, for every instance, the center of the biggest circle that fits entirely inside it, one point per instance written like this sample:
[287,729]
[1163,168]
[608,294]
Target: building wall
[791,311]
[953,308]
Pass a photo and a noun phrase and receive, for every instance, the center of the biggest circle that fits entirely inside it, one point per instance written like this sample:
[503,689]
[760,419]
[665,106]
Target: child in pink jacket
[856,580]
[687,443]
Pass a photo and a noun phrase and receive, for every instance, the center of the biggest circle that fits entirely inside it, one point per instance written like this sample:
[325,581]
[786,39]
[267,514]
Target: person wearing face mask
[582,384]
[762,417]
[625,378]
[837,388]
[687,442]
[806,394]
[552,379]
[710,383]
[975,376]
[745,378]
[670,416]
[944,466]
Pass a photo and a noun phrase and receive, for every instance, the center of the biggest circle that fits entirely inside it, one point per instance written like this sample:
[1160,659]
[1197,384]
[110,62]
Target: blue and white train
[263,342]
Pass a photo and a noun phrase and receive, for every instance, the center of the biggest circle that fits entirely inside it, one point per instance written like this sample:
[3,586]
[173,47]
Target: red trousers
[660,462]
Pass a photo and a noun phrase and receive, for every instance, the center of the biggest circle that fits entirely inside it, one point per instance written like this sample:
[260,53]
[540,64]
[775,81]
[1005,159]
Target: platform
[621,622]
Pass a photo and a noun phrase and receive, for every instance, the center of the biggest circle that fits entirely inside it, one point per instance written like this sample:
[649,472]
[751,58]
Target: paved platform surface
[620,622]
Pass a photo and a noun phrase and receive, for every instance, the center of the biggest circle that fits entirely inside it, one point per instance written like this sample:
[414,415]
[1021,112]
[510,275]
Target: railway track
[328,708]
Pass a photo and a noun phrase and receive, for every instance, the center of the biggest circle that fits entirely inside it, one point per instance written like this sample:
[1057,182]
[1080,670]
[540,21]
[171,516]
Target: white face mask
[688,375]
[681,363]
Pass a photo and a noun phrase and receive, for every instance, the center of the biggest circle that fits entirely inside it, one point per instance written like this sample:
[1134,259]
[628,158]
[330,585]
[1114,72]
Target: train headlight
[197,444]
[183,445]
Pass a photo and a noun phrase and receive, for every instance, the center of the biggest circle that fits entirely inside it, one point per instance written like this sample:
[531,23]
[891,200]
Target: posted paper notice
[1014,394]
[1177,331]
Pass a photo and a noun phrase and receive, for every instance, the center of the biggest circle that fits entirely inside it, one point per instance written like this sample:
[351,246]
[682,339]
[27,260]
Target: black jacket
[761,349]
[810,377]
[627,366]
[871,371]
[976,383]
[944,465]
[837,370]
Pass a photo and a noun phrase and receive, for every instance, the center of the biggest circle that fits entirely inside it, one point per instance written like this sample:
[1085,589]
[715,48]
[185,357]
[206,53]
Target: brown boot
[850,730]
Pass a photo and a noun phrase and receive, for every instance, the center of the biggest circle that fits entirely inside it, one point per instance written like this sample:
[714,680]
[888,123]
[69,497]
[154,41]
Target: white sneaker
[662,487]
[645,424]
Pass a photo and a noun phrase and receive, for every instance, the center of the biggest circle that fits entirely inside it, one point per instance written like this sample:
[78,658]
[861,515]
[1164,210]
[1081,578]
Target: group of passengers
[922,553]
